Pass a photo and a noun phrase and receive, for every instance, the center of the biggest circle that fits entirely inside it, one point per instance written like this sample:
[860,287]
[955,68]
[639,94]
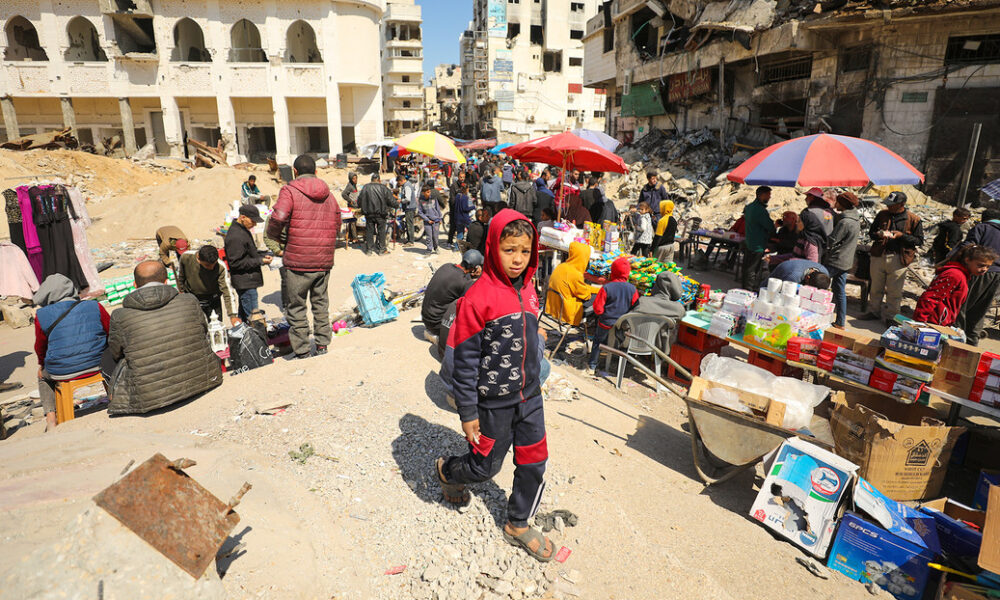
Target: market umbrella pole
[562,182]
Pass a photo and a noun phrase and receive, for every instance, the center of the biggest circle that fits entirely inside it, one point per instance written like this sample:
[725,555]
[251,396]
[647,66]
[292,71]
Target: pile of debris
[699,154]
[51,140]
[207,156]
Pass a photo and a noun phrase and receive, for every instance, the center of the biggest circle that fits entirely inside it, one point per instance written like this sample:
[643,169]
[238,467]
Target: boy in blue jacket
[429,211]
[492,362]
[616,298]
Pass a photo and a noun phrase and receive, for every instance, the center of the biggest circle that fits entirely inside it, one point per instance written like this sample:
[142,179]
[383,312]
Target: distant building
[432,110]
[913,76]
[522,70]
[266,78]
[447,84]
[402,67]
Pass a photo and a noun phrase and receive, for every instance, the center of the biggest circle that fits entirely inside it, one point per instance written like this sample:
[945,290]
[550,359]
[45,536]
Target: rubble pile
[692,155]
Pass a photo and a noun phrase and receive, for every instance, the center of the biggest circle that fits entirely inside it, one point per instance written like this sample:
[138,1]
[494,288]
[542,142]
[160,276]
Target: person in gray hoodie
[840,247]
[522,195]
[430,212]
[664,301]
[490,190]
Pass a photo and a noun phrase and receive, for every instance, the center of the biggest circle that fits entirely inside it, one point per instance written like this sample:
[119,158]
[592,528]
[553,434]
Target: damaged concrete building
[266,78]
[915,76]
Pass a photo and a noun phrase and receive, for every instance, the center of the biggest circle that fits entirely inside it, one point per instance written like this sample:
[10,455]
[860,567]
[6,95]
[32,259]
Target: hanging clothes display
[16,276]
[14,225]
[80,223]
[51,211]
[32,247]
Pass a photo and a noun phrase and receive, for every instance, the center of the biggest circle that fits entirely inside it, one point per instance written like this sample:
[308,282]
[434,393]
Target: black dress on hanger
[52,209]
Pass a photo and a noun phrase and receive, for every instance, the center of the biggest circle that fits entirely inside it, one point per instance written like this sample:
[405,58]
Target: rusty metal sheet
[172,512]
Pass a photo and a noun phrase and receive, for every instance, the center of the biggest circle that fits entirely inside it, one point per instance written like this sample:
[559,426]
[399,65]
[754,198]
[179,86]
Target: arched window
[22,41]
[189,43]
[301,44]
[245,46]
[84,43]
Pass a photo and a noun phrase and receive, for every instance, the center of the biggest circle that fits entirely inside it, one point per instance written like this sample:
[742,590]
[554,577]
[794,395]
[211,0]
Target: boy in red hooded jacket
[616,298]
[940,302]
[492,366]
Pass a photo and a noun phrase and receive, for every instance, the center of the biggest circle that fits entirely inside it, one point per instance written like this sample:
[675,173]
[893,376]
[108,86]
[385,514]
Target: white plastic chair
[655,330]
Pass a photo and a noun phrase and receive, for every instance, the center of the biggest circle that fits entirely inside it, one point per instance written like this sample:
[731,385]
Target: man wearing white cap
[896,233]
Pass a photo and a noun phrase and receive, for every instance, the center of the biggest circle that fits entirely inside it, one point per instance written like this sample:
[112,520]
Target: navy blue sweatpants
[522,425]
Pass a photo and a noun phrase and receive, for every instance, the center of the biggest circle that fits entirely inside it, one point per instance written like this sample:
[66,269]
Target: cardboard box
[959,358]
[953,382]
[892,548]
[859,342]
[754,401]
[981,498]
[902,449]
[801,495]
[989,555]
[893,339]
[951,519]
[921,334]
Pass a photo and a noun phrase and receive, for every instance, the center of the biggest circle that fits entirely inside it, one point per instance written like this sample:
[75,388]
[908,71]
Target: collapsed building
[914,76]
[264,78]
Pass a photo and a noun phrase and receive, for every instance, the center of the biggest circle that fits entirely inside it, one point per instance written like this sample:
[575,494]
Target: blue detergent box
[982,495]
[892,548]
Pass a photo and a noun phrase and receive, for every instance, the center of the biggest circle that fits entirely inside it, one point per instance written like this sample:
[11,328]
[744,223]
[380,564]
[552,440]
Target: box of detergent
[802,493]
[891,548]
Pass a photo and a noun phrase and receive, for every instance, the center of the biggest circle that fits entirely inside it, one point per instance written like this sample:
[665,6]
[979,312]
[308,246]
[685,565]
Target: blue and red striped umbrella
[825,160]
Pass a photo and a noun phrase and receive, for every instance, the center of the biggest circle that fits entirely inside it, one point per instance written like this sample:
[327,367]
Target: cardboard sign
[859,342]
[802,493]
[989,556]
[902,449]
[959,357]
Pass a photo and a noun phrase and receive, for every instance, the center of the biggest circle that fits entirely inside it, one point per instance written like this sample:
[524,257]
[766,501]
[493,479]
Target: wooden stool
[64,395]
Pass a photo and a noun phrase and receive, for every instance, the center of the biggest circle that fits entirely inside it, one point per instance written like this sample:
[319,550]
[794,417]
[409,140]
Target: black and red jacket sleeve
[462,358]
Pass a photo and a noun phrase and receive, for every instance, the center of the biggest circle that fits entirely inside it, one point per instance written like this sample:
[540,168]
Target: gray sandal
[454,493]
[524,541]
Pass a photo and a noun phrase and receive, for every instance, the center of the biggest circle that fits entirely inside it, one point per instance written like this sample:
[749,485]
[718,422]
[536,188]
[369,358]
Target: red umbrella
[569,152]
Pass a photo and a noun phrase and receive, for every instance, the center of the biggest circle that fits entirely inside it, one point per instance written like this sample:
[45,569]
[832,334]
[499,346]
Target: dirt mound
[96,176]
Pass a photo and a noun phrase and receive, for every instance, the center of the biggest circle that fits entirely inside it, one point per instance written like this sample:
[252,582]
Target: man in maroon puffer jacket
[312,217]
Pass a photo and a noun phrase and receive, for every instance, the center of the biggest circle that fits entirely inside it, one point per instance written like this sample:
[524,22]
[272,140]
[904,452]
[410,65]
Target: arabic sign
[689,85]
[496,18]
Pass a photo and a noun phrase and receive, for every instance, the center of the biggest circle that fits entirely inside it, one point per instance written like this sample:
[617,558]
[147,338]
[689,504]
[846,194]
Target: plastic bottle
[216,333]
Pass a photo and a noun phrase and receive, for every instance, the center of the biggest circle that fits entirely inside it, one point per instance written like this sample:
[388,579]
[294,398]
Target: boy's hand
[543,333]
[471,431]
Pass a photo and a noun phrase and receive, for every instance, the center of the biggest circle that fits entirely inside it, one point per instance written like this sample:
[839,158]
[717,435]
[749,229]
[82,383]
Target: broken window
[513,30]
[972,49]
[301,44]
[189,43]
[22,41]
[855,59]
[406,104]
[572,114]
[84,44]
[245,45]
[134,34]
[576,6]
[785,69]
[576,34]
[537,35]
[609,27]
[643,32]
[552,61]
[575,61]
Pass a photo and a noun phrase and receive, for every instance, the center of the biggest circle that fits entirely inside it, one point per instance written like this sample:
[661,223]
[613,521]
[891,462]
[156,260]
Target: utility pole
[970,160]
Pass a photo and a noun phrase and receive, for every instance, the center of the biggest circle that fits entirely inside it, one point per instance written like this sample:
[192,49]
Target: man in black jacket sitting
[448,284]
[244,260]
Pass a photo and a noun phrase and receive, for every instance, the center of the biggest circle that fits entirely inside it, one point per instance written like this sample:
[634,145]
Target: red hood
[492,267]
[621,269]
[313,188]
[953,265]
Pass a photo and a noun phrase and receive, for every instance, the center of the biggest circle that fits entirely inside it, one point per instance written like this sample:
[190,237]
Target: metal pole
[970,159]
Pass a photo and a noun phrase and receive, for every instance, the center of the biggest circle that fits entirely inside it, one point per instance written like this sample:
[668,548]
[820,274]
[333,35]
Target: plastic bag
[799,397]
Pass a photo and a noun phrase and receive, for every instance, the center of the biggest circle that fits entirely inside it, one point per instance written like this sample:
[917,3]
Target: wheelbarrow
[724,442]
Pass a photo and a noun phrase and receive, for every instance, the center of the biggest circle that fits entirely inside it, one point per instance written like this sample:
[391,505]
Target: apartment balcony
[622,8]
[404,65]
[403,12]
[407,91]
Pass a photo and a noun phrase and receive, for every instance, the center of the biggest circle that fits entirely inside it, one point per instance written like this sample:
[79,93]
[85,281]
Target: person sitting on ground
[941,301]
[616,298]
[203,276]
[158,341]
[568,286]
[170,238]
[806,272]
[70,337]
[251,193]
[475,238]
[949,234]
[448,284]
[244,260]
[497,384]
[665,299]
[665,234]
